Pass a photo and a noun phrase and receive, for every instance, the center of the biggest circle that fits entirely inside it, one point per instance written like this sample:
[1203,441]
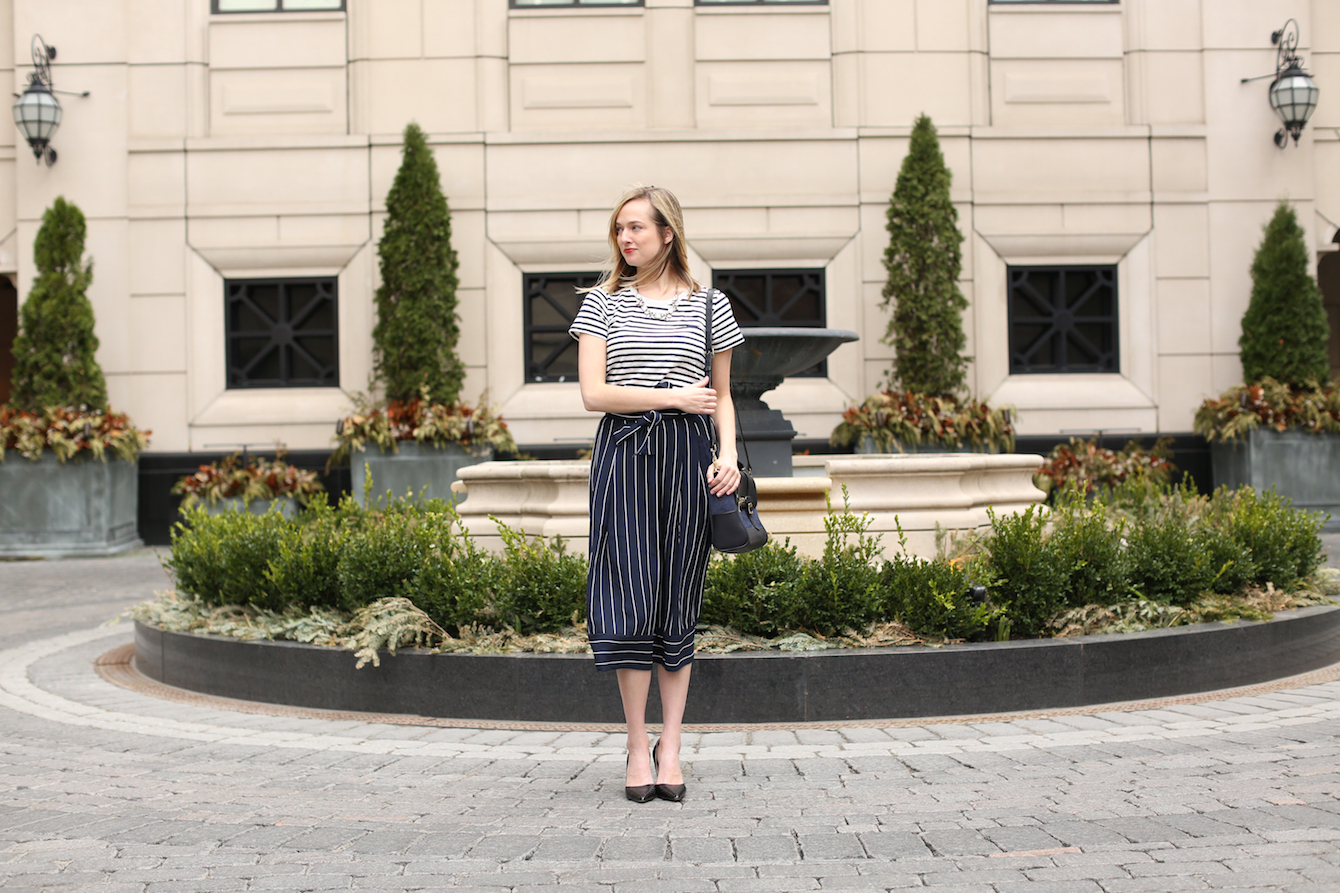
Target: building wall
[216,147]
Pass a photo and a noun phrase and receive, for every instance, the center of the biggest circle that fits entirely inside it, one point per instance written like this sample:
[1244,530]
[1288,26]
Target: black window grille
[224,6]
[1063,319]
[777,298]
[281,333]
[551,304]
[276,6]
[549,4]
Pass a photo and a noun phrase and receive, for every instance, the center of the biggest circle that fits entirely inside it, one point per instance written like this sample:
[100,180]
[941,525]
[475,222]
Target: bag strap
[707,363]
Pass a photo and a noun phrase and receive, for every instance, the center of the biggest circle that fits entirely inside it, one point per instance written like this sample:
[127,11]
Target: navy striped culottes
[649,538]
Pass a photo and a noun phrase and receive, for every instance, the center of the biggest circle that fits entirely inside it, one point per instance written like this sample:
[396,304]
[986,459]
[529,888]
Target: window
[275,5]
[545,4]
[281,333]
[760,2]
[777,298]
[551,304]
[1063,319]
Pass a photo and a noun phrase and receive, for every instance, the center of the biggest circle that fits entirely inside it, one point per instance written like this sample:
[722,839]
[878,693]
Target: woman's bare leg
[633,688]
[674,695]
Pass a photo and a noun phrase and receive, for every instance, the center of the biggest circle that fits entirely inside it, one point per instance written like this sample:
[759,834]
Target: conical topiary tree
[414,341]
[1284,331]
[924,259]
[54,362]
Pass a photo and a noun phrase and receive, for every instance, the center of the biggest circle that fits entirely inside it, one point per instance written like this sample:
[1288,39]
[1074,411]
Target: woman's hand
[697,398]
[723,476]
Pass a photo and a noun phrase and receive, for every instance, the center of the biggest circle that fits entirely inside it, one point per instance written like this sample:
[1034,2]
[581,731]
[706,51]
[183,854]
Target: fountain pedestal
[768,435]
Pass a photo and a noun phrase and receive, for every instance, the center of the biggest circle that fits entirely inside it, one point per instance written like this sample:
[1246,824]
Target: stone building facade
[233,157]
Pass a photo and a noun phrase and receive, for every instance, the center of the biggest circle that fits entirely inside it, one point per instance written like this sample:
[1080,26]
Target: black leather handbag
[736,526]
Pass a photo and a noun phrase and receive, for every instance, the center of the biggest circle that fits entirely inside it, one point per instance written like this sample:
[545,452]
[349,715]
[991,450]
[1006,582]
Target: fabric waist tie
[641,427]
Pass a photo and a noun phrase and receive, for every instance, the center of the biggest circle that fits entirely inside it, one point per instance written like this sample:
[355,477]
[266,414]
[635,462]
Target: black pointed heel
[672,792]
[641,793]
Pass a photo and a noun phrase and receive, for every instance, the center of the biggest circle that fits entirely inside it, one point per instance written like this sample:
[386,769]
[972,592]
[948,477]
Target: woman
[641,346]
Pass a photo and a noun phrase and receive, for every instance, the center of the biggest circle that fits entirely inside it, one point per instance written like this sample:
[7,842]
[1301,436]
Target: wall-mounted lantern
[37,111]
[1293,93]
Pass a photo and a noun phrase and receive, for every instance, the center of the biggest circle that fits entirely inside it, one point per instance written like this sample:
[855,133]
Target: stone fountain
[914,496]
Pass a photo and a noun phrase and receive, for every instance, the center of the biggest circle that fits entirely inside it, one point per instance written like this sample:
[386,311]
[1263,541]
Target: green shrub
[1282,545]
[1231,559]
[840,590]
[1141,498]
[1087,545]
[1030,578]
[932,598]
[1285,331]
[414,340]
[381,560]
[1168,545]
[1168,561]
[757,593]
[540,587]
[923,259]
[55,361]
[458,579]
[224,558]
[304,570]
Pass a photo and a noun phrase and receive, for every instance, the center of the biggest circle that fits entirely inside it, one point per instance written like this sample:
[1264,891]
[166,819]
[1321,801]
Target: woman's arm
[724,476]
[597,396]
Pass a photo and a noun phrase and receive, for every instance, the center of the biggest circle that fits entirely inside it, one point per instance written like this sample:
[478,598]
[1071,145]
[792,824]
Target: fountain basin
[920,492]
[767,356]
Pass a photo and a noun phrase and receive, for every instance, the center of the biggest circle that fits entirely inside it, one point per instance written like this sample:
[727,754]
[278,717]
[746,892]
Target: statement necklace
[659,312]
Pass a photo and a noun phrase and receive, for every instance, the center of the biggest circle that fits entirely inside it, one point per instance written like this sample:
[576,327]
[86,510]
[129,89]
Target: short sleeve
[725,333]
[593,318]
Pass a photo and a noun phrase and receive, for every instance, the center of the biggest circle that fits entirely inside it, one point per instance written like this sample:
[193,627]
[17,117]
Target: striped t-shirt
[643,352]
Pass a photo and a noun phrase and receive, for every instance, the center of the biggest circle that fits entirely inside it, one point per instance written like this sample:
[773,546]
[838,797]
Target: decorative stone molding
[951,491]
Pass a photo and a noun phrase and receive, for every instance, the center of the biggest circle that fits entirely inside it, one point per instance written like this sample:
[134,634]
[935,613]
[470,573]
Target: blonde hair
[666,214]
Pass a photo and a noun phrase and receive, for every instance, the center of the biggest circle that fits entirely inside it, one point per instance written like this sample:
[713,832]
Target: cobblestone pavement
[106,789]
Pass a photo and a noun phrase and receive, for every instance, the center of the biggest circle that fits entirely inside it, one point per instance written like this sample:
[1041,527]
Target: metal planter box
[1301,466]
[84,508]
[416,470]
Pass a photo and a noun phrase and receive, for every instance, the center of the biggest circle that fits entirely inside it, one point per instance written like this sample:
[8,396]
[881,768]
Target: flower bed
[1149,556]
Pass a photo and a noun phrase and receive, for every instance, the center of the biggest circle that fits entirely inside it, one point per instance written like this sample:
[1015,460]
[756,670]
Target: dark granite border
[874,683]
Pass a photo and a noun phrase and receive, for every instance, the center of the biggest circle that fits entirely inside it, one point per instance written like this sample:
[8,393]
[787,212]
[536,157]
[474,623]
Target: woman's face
[639,239]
